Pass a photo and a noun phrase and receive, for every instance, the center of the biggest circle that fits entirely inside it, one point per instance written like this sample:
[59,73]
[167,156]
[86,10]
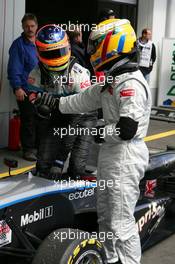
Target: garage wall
[132,2]
[170,27]
[153,14]
[121,9]
[11,12]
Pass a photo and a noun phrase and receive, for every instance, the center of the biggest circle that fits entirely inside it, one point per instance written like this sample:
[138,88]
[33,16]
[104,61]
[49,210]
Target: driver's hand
[45,103]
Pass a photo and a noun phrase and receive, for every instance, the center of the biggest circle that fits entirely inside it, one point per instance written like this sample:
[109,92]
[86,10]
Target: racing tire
[73,249]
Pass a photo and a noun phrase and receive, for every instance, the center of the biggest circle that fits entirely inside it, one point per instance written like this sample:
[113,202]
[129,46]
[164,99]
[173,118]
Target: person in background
[78,49]
[146,53]
[106,13]
[22,59]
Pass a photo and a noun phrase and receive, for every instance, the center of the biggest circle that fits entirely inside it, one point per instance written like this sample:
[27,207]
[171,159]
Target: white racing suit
[121,163]
[53,146]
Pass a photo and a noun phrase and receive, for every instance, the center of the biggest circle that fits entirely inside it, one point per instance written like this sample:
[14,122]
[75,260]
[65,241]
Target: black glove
[45,103]
[99,137]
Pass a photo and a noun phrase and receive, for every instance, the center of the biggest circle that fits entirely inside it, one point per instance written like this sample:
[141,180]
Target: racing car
[46,221]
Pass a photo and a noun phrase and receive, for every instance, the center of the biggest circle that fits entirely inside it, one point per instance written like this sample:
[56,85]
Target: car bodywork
[32,207]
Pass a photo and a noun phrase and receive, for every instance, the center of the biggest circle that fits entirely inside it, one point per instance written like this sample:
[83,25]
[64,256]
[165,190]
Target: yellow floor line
[146,139]
[160,135]
[18,171]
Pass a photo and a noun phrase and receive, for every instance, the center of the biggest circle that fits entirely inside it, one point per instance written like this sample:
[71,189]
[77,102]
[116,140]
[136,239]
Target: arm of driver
[131,97]
[88,100]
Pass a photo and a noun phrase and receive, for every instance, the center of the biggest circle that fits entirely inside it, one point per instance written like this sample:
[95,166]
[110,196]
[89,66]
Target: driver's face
[30,27]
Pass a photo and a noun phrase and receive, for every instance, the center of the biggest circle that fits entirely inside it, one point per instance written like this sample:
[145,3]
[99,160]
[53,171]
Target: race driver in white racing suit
[59,74]
[123,157]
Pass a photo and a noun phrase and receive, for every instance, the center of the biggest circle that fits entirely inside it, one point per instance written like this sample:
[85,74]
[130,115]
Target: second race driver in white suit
[123,158]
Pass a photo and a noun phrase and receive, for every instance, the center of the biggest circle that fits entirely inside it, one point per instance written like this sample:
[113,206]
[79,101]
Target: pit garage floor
[163,135]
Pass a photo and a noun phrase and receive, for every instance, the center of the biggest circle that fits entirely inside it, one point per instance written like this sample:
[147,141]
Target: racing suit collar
[126,66]
[123,66]
[128,63]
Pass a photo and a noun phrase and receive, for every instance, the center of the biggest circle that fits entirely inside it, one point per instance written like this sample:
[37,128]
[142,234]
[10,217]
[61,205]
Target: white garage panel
[11,12]
[2,11]
[166,92]
[133,2]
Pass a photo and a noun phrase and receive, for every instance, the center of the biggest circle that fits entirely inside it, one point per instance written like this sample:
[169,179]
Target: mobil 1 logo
[37,215]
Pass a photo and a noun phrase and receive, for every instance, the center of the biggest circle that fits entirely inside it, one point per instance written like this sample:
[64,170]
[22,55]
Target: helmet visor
[54,54]
[94,44]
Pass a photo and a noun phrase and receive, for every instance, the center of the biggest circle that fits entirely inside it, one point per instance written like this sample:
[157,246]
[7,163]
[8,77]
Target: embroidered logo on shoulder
[127,92]
[77,68]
